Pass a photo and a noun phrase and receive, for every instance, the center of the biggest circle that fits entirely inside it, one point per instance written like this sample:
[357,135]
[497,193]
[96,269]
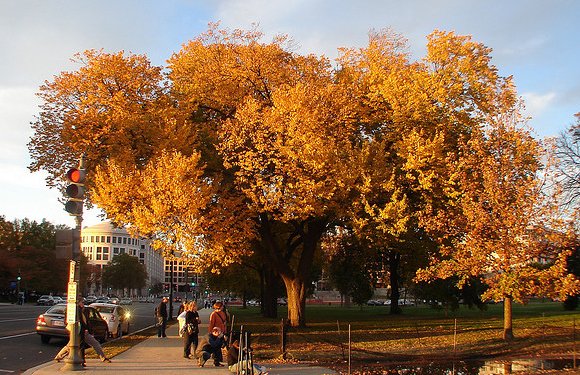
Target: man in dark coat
[161,315]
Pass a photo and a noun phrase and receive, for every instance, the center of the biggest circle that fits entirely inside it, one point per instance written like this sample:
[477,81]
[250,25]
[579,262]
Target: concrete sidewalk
[165,356]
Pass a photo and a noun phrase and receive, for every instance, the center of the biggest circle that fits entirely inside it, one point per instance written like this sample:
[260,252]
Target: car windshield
[57,309]
[105,309]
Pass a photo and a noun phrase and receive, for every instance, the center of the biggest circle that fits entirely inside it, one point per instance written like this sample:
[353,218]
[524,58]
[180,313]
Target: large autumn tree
[283,132]
[247,146]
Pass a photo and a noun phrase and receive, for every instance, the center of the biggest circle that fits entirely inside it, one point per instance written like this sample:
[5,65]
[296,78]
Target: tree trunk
[394,261]
[289,249]
[508,333]
[269,307]
[296,292]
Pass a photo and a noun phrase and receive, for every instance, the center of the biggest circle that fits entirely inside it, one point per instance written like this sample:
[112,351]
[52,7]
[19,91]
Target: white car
[117,317]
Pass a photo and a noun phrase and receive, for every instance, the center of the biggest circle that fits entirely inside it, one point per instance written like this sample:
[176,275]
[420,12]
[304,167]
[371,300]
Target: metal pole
[74,361]
[349,349]
[240,352]
[170,317]
[574,335]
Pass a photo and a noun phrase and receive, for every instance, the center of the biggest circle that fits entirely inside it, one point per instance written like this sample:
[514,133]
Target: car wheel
[44,339]
[127,331]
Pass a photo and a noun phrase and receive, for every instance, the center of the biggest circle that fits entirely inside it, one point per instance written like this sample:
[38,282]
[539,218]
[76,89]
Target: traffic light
[75,191]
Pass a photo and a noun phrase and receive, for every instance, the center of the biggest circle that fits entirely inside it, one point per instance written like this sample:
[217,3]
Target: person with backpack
[190,329]
[161,316]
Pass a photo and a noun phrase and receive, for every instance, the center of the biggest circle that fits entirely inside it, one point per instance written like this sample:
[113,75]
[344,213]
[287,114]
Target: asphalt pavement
[165,356]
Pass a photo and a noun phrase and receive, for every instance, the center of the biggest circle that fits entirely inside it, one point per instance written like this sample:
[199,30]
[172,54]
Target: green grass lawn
[542,329]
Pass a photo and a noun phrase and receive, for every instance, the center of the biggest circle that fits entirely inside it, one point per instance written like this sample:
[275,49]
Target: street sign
[71,272]
[71,306]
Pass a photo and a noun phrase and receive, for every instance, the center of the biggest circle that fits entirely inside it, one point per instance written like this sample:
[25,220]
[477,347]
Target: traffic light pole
[74,361]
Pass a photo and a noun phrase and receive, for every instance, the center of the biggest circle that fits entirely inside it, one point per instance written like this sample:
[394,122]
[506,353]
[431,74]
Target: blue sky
[535,41]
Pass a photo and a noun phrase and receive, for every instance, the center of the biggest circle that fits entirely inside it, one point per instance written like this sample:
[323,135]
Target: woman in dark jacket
[191,329]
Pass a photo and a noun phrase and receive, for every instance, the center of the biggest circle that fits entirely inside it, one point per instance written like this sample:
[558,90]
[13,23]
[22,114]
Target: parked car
[103,300]
[56,300]
[53,323]
[90,299]
[117,318]
[45,300]
[125,301]
[282,301]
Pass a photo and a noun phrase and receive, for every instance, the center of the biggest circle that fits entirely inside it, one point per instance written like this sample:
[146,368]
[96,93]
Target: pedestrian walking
[86,338]
[161,316]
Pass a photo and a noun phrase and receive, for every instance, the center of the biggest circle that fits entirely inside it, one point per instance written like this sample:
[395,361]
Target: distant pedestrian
[182,307]
[161,316]
[190,330]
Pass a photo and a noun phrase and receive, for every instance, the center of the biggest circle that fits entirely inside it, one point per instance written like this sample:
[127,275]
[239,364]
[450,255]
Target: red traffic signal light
[76,175]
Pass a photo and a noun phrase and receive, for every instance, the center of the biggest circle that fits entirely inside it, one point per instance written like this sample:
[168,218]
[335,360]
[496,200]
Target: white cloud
[536,103]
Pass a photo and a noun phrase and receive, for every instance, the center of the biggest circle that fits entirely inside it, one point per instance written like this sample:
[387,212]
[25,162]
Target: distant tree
[156,288]
[362,289]
[241,279]
[125,271]
[503,223]
[28,248]
[349,263]
[571,302]
[568,166]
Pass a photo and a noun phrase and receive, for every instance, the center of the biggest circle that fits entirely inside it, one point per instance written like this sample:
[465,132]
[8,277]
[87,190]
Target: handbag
[188,328]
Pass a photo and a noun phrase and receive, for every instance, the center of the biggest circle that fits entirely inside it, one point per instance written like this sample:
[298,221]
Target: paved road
[20,346]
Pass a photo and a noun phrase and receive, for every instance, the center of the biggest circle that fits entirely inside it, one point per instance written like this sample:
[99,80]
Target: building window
[108,239]
[92,238]
[124,240]
[115,250]
[114,239]
[105,253]
[122,250]
[99,253]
